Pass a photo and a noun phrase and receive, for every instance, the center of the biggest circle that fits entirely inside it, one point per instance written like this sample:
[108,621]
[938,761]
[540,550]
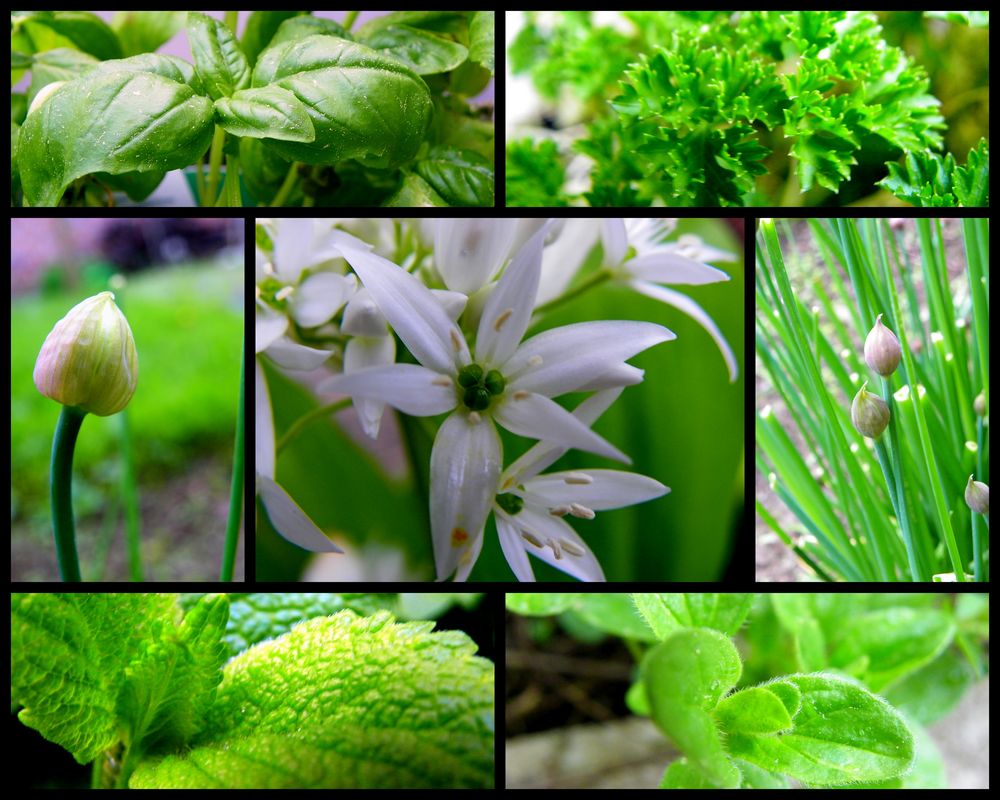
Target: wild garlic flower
[500,380]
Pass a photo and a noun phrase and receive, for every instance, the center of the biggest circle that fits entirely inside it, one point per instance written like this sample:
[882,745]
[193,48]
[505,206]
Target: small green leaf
[843,733]
[669,612]
[541,604]
[415,192]
[754,710]
[685,677]
[481,47]
[87,31]
[614,613]
[218,59]
[462,177]
[345,702]
[267,113]
[425,52]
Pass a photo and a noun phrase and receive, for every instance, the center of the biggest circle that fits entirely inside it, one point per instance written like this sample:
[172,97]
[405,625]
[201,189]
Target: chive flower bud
[977,496]
[869,413]
[89,359]
[882,351]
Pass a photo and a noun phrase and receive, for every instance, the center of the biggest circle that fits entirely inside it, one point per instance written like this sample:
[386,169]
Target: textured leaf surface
[481,48]
[424,52]
[218,59]
[69,653]
[117,121]
[363,103]
[462,177]
[842,733]
[668,612]
[685,677]
[345,702]
[269,112]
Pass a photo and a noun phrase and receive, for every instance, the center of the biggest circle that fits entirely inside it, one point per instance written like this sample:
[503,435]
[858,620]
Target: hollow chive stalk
[61,479]
[236,490]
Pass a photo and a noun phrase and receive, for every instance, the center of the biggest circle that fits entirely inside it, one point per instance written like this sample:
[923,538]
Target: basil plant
[302,111]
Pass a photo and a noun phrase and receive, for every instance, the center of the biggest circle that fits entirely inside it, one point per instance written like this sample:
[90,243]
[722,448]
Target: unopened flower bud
[869,413]
[882,351]
[977,496]
[89,360]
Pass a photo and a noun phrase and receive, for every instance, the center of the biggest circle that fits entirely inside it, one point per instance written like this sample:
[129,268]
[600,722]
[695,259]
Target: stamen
[572,549]
[559,511]
[580,511]
[535,361]
[507,484]
[530,538]
[520,394]
[502,318]
[580,478]
[456,342]
[284,292]
[258,292]
[555,548]
[474,418]
[441,380]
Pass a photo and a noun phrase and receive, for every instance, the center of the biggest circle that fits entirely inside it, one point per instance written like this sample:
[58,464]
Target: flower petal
[411,388]
[270,326]
[563,257]
[508,310]
[362,316]
[545,454]
[608,488]
[264,422]
[567,358]
[548,530]
[469,252]
[363,352]
[693,310]
[538,417]
[465,464]
[614,239]
[662,266]
[413,312]
[292,355]
[319,297]
[291,521]
[513,546]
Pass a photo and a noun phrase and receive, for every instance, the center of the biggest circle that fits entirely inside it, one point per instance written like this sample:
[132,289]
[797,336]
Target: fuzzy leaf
[345,702]
[754,710]
[669,612]
[541,604]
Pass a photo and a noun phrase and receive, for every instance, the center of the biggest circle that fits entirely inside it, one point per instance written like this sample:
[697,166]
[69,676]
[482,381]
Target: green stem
[596,279]
[131,502]
[281,198]
[214,166]
[61,476]
[896,493]
[230,18]
[236,491]
[297,427]
[349,19]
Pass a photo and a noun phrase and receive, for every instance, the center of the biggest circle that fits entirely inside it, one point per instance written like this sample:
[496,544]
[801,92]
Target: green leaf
[542,604]
[69,654]
[270,112]
[481,47]
[614,613]
[933,691]
[61,64]
[415,192]
[145,31]
[795,612]
[535,174]
[364,703]
[87,31]
[667,613]
[461,177]
[842,733]
[218,59]
[116,121]
[424,52]
[260,30]
[685,677]
[755,710]
[363,105]
[892,643]
[301,27]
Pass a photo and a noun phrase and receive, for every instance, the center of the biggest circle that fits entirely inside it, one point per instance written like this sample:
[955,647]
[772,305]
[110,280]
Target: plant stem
[131,502]
[214,165]
[596,279]
[236,491]
[349,19]
[296,427]
[286,185]
[61,477]
[896,493]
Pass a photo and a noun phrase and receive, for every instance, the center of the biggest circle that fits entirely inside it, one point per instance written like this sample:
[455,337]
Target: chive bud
[977,496]
[869,413]
[882,351]
[89,360]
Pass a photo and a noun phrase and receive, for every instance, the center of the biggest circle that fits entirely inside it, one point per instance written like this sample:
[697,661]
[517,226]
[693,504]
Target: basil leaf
[87,31]
[685,677]
[363,104]
[61,64]
[176,69]
[668,612]
[218,59]
[842,733]
[145,31]
[415,192]
[113,122]
[481,48]
[301,27]
[260,30]
[425,52]
[269,112]
[461,177]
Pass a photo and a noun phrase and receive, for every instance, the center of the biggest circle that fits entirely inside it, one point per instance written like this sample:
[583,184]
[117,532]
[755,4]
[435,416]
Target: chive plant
[920,387]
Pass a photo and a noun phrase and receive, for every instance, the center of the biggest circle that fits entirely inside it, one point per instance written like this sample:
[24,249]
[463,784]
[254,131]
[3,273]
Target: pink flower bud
[882,351]
[869,413]
[977,496]
[89,360]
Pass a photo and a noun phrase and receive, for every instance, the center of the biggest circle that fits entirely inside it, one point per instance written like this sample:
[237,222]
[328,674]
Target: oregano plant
[824,690]
[242,691]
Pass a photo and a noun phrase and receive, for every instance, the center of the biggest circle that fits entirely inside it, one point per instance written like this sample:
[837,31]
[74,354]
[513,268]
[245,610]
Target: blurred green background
[683,426]
[187,321]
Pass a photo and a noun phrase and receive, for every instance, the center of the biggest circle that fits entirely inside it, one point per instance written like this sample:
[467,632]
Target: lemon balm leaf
[668,612]
[344,702]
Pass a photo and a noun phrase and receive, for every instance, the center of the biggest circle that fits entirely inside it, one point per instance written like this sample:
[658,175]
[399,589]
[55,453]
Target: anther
[572,549]
[580,478]
[474,418]
[535,361]
[559,511]
[555,548]
[580,511]
[520,394]
[502,318]
[284,292]
[441,380]
[456,342]
[530,538]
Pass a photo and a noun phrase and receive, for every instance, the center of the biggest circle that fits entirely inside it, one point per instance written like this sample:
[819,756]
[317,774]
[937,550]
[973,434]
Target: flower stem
[896,494]
[349,19]
[61,478]
[236,491]
[317,413]
[596,279]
